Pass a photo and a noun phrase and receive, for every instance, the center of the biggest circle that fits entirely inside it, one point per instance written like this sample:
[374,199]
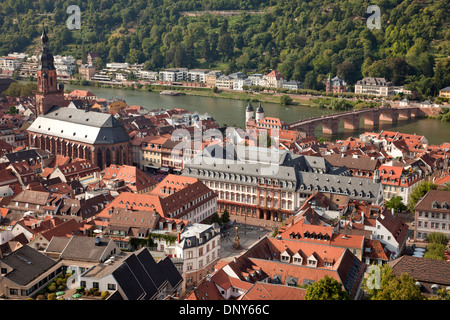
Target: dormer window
[312,261]
[285,257]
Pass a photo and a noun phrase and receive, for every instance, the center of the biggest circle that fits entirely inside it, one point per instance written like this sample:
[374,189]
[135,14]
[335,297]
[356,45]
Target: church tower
[259,113]
[328,85]
[48,92]
[249,112]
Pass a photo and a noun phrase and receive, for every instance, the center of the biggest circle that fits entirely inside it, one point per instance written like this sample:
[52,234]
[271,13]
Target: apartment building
[198,75]
[399,181]
[224,82]
[432,214]
[174,74]
[211,78]
[273,189]
[199,246]
[375,86]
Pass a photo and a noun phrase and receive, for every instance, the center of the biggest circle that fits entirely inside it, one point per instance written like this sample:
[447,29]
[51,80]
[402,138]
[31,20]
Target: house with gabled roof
[269,291]
[399,181]
[134,276]
[32,201]
[127,178]
[269,261]
[31,226]
[25,272]
[23,171]
[430,274]
[432,214]
[218,286]
[66,229]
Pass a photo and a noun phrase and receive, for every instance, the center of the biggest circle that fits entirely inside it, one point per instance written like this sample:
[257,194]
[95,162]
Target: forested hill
[306,40]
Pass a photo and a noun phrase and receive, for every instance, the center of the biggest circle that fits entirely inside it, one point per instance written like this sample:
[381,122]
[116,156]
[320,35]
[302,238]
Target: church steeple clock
[48,92]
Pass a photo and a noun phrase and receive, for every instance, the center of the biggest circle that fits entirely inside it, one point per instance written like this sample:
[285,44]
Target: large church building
[76,133]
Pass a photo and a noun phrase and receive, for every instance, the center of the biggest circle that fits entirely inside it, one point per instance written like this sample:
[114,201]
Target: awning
[164,169]
[152,167]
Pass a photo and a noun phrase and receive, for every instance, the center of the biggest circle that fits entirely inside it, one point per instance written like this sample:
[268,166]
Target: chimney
[235,260]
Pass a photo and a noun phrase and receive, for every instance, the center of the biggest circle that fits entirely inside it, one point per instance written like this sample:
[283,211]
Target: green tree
[435,251]
[438,238]
[419,191]
[311,81]
[341,104]
[396,203]
[285,100]
[326,288]
[12,110]
[347,71]
[13,90]
[275,232]
[98,63]
[215,218]
[393,287]
[225,46]
[225,217]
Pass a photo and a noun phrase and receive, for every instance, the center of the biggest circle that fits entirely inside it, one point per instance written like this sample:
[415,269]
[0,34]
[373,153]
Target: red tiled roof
[134,178]
[65,229]
[374,249]
[275,74]
[82,93]
[268,291]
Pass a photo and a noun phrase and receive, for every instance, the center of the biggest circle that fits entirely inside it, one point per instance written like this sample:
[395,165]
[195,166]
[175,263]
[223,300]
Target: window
[312,262]
[3,270]
[111,286]
[95,285]
[13,292]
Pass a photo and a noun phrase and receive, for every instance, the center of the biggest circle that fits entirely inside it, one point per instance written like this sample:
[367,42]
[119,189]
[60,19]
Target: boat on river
[171,93]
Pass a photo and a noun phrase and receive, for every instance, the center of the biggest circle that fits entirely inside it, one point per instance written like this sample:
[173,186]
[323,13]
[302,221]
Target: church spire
[48,92]
[46,57]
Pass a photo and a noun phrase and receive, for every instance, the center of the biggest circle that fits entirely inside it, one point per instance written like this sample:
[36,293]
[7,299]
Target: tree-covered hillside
[305,39]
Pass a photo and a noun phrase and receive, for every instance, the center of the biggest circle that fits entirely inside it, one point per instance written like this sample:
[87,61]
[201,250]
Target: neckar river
[232,112]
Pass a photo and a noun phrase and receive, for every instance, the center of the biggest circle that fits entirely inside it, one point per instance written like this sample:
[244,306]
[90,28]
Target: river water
[232,112]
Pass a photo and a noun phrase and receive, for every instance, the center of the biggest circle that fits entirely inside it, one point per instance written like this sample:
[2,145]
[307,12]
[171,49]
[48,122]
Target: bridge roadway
[372,117]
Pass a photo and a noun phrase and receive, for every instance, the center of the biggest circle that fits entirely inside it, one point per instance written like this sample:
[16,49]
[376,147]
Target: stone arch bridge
[351,119]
